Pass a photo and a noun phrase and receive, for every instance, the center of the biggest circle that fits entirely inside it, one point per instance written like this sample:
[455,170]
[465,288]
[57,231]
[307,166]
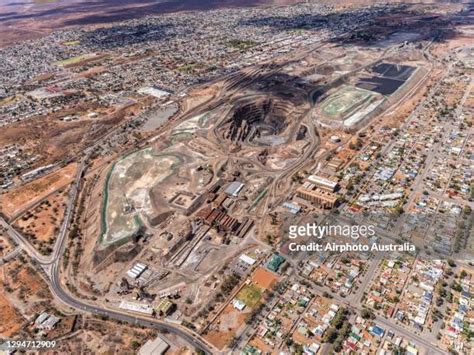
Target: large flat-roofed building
[318,197]
[166,307]
[335,164]
[275,262]
[234,188]
[154,347]
[323,183]
[46,321]
[136,270]
[136,307]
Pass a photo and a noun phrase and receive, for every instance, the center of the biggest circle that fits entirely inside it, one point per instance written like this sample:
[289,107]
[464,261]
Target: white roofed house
[247,259]
[239,305]
[46,321]
[41,318]
[323,183]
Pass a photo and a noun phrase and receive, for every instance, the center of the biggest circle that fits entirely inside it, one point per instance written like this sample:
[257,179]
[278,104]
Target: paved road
[51,268]
[71,301]
[23,242]
[369,275]
[405,331]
